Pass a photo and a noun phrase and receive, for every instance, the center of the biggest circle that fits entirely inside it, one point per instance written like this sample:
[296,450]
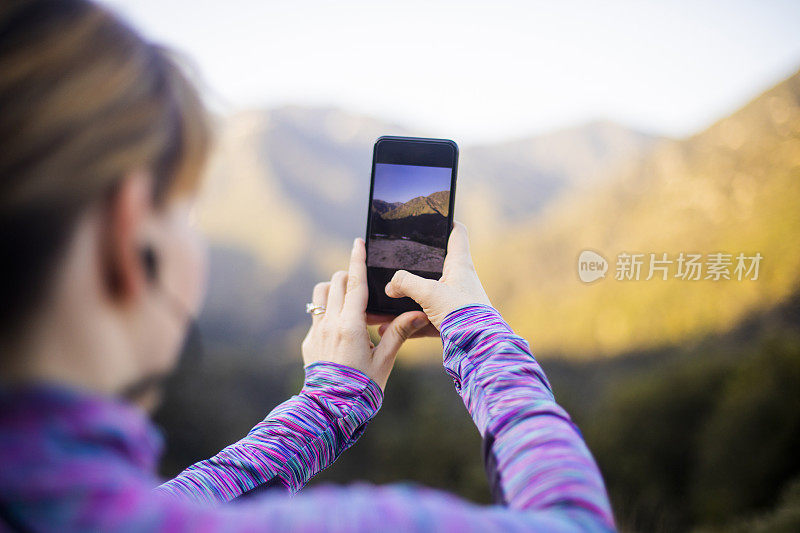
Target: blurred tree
[784,519]
[645,439]
[702,434]
[748,447]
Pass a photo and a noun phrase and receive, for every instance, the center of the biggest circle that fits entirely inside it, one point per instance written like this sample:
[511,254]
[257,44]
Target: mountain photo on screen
[409,217]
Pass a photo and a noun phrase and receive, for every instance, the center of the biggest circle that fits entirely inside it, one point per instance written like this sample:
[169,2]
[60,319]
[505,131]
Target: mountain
[384,207]
[435,203]
[287,191]
[440,202]
[422,219]
[523,176]
[733,188]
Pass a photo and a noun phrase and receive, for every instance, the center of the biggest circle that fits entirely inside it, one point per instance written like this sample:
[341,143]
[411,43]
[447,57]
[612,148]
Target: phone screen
[410,214]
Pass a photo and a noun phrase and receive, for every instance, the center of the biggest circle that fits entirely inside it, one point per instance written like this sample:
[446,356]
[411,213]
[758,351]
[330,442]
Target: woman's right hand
[458,286]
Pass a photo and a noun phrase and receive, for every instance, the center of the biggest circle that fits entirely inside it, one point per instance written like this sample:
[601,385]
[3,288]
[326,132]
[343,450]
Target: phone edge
[451,207]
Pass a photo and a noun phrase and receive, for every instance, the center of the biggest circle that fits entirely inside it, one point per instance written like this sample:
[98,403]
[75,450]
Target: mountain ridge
[383,207]
[288,189]
[733,187]
[422,219]
[436,202]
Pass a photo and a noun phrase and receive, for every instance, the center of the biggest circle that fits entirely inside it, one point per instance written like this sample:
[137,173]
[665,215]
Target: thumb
[398,331]
[421,290]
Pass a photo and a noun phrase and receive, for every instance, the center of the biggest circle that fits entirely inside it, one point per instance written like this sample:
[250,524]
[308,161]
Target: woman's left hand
[340,334]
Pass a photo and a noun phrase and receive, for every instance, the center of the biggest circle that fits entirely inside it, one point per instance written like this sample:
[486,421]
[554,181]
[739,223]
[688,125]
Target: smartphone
[410,214]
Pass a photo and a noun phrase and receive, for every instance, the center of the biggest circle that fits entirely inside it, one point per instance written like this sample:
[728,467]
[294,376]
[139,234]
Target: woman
[103,142]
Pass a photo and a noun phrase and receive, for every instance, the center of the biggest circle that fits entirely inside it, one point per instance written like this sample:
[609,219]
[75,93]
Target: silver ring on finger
[315,309]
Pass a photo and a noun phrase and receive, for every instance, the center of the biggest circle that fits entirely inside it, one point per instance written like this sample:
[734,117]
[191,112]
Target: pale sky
[486,71]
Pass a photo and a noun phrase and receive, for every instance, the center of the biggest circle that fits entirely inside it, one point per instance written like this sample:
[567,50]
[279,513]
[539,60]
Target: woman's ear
[127,211]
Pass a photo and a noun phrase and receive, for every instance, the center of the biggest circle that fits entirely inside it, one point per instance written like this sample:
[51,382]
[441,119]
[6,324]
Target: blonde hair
[85,99]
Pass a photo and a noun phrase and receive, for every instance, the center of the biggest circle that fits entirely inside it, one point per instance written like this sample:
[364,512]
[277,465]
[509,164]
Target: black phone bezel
[408,151]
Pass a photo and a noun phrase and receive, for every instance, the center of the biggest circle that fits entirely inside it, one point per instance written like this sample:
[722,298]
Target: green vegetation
[785,518]
[702,435]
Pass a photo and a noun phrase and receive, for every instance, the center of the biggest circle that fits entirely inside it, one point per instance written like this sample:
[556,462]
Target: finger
[356,295]
[400,329]
[319,297]
[336,294]
[458,245]
[421,290]
[378,318]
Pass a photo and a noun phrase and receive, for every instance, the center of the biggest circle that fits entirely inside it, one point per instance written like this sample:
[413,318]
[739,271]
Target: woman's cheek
[193,277]
[202,269]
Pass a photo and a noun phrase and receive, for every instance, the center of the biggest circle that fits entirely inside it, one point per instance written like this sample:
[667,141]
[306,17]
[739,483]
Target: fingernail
[355,242]
[419,322]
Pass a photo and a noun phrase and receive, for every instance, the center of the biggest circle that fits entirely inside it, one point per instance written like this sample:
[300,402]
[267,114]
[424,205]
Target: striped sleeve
[535,454]
[297,439]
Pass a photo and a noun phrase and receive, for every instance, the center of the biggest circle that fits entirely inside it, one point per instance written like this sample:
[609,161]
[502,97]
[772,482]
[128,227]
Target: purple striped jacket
[76,461]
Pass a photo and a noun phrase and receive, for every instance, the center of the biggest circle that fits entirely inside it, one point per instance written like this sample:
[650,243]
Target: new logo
[591,266]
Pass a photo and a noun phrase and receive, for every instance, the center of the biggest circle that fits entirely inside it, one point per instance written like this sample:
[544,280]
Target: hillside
[522,176]
[434,203]
[440,202]
[732,188]
[288,190]
[384,207]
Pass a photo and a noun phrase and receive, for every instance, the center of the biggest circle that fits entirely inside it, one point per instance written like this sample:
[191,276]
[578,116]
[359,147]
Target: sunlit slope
[288,190]
[732,188]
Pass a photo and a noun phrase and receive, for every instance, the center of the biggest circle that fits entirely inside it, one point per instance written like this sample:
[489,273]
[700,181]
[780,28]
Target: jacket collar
[58,417]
